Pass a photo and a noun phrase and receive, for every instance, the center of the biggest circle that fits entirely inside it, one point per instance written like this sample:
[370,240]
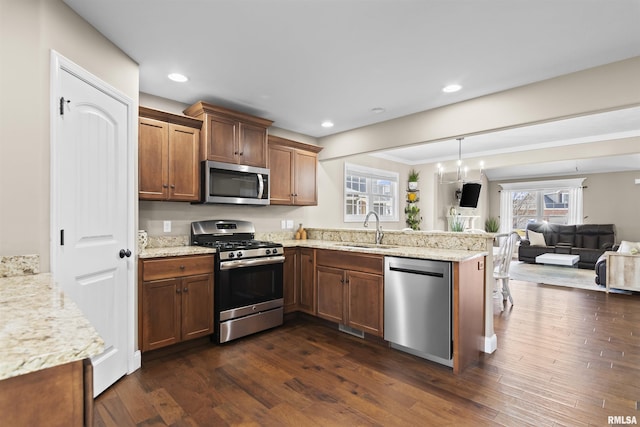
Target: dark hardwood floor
[565,357]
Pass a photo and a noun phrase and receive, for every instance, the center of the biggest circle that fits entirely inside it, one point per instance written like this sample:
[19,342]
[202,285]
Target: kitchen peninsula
[332,257]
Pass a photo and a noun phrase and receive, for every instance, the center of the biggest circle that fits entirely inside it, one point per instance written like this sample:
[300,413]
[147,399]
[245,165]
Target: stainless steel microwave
[234,184]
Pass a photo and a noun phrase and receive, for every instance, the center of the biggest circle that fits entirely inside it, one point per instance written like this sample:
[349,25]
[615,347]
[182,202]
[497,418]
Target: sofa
[589,241]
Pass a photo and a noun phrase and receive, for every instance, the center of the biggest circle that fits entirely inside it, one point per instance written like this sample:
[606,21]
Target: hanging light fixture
[462,170]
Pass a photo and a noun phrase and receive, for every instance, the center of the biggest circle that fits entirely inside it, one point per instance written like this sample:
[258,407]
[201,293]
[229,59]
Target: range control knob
[275,251]
[268,252]
[231,255]
[239,254]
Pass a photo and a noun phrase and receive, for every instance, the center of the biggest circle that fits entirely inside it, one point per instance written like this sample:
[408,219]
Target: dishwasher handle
[413,271]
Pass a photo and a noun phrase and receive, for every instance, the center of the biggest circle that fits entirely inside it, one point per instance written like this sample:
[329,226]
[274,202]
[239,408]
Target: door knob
[124,253]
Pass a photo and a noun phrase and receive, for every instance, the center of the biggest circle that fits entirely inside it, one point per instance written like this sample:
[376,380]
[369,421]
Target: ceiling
[624,123]
[301,62]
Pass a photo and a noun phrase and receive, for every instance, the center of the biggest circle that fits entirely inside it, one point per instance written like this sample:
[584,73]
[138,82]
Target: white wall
[29,29]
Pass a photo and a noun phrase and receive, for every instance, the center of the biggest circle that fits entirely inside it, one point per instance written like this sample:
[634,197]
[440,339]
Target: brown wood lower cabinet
[176,300]
[350,289]
[307,284]
[58,396]
[291,279]
[299,280]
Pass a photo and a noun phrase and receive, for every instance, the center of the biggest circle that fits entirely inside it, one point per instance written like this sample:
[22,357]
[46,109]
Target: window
[557,202]
[367,189]
[540,205]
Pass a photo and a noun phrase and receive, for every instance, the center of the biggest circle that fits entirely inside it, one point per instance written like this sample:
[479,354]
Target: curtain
[506,211]
[576,214]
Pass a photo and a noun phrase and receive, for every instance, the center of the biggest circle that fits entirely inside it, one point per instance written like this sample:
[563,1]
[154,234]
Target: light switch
[290,224]
[167,226]
[283,224]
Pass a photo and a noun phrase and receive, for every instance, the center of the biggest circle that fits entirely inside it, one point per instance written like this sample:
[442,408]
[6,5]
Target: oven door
[248,282]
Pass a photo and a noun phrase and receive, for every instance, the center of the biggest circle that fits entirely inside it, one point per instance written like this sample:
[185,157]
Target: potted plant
[457,225]
[414,176]
[492,225]
[413,216]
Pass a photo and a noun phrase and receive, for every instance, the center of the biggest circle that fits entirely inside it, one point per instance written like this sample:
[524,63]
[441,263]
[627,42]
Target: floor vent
[351,331]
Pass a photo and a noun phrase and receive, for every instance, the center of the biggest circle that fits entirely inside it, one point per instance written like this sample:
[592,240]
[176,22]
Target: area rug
[554,275]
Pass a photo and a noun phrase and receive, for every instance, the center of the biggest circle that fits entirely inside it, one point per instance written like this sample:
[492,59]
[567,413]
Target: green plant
[457,225]
[414,175]
[492,225]
[413,216]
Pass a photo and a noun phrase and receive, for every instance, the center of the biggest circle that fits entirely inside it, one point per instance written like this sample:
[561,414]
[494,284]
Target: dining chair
[501,263]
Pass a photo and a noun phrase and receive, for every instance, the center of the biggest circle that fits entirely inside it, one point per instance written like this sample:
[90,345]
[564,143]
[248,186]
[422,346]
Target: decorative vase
[143,240]
[413,185]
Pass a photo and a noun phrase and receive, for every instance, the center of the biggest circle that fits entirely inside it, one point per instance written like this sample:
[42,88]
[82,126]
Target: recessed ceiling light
[327,124]
[177,77]
[451,88]
[377,110]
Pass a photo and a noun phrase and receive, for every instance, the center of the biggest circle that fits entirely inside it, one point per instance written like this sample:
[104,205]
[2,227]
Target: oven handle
[240,263]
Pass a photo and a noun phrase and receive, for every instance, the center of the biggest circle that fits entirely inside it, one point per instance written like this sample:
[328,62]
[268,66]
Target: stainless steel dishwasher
[417,307]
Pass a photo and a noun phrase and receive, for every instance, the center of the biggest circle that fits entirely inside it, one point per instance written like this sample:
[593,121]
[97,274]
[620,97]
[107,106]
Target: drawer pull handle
[185,290]
[182,267]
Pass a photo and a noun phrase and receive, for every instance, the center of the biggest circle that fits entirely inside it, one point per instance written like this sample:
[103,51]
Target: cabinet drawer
[176,267]
[351,261]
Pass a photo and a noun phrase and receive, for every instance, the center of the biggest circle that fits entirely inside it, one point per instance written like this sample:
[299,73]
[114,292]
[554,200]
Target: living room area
[571,228]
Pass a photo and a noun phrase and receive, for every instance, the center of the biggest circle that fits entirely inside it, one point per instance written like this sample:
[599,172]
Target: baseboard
[136,362]
[490,344]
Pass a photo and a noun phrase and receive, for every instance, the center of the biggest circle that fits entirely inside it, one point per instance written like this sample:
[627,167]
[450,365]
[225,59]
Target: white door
[90,211]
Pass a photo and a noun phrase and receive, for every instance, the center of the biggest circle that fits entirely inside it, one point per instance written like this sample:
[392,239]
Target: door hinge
[62,101]
[61,237]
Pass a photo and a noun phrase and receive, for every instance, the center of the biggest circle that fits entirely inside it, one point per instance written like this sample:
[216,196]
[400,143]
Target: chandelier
[462,170]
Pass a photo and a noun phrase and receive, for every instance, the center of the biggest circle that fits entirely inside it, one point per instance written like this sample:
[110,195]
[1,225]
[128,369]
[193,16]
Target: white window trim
[394,176]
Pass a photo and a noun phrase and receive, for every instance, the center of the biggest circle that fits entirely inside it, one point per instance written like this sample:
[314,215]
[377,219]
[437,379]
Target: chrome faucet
[379,233]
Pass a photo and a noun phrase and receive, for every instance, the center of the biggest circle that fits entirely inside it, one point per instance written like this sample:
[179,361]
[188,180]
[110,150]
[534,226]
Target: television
[470,195]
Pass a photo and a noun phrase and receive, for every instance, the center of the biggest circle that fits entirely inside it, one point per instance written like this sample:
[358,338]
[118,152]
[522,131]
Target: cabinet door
[160,313]
[281,167]
[365,298]
[197,306]
[153,172]
[305,185]
[252,145]
[291,277]
[331,293]
[307,293]
[184,167]
[222,143]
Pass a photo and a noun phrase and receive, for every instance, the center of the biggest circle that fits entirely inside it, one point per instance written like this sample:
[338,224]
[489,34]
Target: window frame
[371,173]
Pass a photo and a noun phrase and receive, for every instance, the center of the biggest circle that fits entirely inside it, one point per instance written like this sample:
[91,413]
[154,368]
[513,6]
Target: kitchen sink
[366,246]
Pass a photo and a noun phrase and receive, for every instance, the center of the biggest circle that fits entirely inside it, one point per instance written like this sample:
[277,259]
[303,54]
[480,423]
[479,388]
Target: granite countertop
[175,251]
[40,327]
[437,254]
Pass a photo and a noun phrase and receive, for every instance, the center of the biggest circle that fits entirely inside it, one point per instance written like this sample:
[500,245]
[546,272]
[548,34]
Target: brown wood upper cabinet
[175,300]
[230,136]
[168,165]
[294,172]
[350,289]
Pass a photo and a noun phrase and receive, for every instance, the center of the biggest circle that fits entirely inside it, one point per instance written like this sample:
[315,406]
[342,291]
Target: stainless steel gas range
[248,278]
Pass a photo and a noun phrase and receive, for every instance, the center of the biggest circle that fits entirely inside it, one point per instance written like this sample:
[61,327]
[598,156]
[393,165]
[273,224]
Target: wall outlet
[290,224]
[167,226]
[283,224]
